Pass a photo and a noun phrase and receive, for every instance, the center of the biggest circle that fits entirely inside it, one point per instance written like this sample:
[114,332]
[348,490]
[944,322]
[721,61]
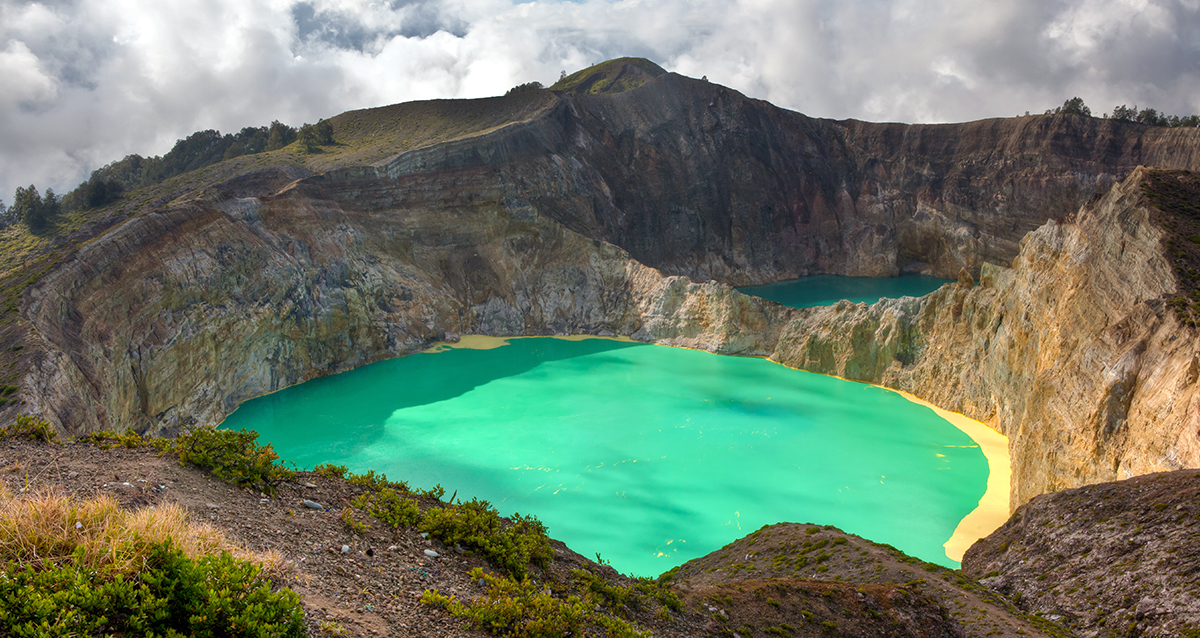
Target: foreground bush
[31,428]
[234,457]
[513,608]
[70,568]
[476,525]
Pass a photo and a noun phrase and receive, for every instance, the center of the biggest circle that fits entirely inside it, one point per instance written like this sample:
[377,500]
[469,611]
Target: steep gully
[633,214]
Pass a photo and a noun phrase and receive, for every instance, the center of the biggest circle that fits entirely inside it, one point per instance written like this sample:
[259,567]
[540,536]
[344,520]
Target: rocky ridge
[631,213]
[1071,352]
[1114,559]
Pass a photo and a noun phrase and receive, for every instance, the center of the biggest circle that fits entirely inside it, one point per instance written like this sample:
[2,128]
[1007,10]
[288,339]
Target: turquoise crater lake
[646,454]
[826,290]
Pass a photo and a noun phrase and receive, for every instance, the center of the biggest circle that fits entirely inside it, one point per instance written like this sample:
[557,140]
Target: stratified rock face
[1071,352]
[596,213]
[697,180]
[176,317]
[1115,559]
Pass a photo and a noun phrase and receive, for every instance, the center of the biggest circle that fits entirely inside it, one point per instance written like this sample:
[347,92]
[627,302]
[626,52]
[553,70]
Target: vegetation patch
[87,567]
[524,608]
[613,76]
[30,427]
[234,457]
[476,525]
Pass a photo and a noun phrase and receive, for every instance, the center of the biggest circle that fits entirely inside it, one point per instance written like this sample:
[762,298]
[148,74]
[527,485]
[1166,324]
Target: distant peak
[613,76]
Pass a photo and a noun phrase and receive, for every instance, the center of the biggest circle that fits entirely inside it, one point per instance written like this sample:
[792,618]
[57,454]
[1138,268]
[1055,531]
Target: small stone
[264,500]
[78,525]
[430,553]
[393,548]
[313,505]
[72,474]
[213,506]
[345,549]
[424,534]
[310,485]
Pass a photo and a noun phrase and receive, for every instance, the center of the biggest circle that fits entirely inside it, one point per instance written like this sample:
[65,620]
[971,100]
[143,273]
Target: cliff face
[697,180]
[580,218]
[176,317]
[1072,352]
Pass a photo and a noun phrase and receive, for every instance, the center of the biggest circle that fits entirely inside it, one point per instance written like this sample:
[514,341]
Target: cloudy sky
[84,82]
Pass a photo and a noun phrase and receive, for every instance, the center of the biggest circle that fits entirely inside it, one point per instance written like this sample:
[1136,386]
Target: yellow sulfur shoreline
[992,510]
[988,515]
[484,342]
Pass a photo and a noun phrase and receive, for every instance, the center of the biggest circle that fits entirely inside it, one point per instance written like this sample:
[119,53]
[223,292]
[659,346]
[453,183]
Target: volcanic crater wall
[585,220]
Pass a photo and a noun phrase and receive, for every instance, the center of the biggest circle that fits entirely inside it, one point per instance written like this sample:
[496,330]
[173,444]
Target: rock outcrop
[1072,352]
[1114,559]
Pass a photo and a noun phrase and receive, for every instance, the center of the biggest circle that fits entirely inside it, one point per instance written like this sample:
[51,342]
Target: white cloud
[83,82]
[25,84]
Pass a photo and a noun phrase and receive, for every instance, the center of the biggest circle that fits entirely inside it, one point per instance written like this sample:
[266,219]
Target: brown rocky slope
[1115,559]
[788,579]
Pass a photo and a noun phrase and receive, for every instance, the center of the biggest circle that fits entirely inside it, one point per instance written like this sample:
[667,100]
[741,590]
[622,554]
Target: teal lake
[826,290]
[647,455]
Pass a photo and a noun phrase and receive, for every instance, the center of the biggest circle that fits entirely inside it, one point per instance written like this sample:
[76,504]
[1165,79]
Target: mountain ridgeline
[627,200]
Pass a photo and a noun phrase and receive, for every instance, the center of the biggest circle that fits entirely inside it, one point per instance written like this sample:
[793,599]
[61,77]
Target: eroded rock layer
[582,217]
[1072,352]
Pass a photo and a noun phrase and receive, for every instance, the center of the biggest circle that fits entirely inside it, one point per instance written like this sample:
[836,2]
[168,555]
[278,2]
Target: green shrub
[31,428]
[475,525]
[234,457]
[356,526]
[389,507]
[107,439]
[172,595]
[436,493]
[519,609]
[372,481]
[659,591]
[612,597]
[331,471]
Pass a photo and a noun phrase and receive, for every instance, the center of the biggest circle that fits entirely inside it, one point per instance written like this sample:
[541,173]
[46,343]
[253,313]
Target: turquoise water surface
[826,290]
[647,454]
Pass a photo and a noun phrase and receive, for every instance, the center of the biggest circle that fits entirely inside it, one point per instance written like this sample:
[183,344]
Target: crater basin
[826,290]
[646,455]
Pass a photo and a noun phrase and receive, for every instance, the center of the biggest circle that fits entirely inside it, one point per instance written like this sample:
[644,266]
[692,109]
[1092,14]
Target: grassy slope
[613,76]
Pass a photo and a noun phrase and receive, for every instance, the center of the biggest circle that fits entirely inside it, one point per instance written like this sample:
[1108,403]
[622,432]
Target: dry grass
[97,533]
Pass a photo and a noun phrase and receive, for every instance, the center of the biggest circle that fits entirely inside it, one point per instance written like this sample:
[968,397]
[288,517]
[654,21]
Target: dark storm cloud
[84,82]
